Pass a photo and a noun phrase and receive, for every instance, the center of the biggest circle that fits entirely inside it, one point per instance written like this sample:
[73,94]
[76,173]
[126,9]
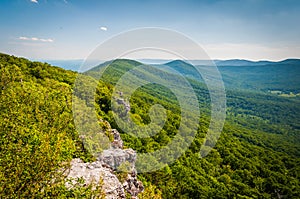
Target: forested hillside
[283,76]
[37,133]
[257,155]
[274,77]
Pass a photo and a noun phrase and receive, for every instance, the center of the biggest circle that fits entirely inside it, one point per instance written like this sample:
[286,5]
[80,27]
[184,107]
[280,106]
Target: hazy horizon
[158,59]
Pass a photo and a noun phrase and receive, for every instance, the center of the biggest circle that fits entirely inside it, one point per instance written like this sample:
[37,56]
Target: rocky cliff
[107,167]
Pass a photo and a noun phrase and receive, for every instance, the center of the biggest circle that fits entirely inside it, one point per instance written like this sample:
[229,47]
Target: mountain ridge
[75,64]
[244,62]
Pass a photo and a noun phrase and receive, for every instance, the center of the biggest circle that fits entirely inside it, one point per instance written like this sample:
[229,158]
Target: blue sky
[71,29]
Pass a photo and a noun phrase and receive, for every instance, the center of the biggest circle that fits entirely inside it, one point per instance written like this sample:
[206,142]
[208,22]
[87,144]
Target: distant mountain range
[257,155]
[283,76]
[242,62]
[75,64]
[266,76]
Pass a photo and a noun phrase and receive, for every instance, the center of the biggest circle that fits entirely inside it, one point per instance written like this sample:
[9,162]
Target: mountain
[290,61]
[264,76]
[260,128]
[41,151]
[256,156]
[241,62]
[280,76]
[182,67]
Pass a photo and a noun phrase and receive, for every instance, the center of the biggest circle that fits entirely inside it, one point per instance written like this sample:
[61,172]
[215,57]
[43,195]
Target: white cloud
[35,39]
[34,1]
[47,40]
[103,28]
[24,38]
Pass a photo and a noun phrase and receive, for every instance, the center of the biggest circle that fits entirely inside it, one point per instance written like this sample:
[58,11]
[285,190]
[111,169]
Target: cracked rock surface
[105,168]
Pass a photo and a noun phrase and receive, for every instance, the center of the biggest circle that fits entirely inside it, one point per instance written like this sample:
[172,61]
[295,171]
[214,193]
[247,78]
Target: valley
[256,156]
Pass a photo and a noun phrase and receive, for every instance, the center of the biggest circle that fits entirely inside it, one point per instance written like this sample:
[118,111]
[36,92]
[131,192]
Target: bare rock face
[132,185]
[92,173]
[113,158]
[116,155]
[122,103]
[105,167]
[126,105]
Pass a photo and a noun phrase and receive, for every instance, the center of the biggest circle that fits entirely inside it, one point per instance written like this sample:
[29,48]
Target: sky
[225,29]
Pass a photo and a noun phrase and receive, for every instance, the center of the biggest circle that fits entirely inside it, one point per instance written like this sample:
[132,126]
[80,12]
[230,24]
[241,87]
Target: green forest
[256,156]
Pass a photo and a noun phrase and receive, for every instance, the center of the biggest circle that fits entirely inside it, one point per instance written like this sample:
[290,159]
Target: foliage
[257,155]
[80,190]
[150,192]
[281,76]
[37,133]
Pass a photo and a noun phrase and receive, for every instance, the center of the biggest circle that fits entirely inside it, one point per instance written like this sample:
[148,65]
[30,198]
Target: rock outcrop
[105,168]
[113,158]
[132,185]
[122,102]
[126,105]
[94,172]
